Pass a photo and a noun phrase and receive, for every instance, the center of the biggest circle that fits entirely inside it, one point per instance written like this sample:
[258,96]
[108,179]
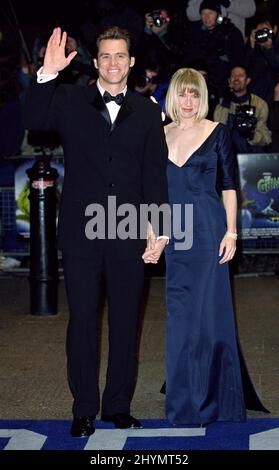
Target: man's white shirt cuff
[45,77]
[163,237]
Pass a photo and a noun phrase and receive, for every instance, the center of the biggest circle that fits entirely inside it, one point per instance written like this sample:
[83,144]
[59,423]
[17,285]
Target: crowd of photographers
[242,72]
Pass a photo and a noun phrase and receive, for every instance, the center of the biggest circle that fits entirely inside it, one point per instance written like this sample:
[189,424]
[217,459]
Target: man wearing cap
[236,10]
[219,45]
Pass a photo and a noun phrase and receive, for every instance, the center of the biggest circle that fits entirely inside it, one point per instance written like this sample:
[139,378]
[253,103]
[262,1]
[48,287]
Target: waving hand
[55,58]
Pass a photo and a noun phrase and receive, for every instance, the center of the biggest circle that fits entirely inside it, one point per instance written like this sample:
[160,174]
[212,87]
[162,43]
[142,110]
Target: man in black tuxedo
[114,146]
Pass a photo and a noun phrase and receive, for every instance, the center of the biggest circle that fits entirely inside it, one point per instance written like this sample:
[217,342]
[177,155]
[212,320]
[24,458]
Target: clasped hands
[154,248]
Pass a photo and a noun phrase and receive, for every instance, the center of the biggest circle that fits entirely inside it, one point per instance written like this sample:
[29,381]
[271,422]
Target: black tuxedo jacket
[127,159]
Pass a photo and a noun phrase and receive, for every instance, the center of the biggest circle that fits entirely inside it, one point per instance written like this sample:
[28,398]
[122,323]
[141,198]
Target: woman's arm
[230,204]
[228,244]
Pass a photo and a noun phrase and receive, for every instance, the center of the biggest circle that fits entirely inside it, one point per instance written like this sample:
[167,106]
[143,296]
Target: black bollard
[43,252]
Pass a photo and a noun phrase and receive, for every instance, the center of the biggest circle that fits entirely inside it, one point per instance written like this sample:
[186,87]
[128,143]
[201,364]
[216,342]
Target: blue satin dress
[204,380]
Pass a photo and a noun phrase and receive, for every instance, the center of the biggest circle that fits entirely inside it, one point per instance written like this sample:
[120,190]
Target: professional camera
[262,35]
[245,120]
[158,18]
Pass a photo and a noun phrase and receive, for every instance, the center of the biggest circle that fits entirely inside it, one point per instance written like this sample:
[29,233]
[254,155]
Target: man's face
[113,62]
[209,18]
[238,80]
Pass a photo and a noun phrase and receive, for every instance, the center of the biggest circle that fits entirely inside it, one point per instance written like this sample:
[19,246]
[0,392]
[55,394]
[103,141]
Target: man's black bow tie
[118,98]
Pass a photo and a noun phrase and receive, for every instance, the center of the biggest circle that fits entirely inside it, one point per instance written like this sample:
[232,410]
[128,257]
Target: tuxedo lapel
[126,109]
[100,106]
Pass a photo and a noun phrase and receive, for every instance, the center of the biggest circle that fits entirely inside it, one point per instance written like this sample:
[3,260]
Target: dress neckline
[195,151]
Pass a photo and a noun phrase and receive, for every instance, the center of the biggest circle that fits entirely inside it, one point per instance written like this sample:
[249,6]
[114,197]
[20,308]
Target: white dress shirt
[112,106]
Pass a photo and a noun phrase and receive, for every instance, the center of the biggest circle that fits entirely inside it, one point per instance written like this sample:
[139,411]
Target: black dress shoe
[82,426]
[122,421]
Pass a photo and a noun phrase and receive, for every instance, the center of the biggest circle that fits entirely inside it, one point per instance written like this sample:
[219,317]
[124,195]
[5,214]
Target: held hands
[55,59]
[154,248]
[227,249]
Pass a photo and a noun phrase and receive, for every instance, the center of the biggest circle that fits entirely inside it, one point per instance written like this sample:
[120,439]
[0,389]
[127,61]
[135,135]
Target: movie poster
[259,200]
[22,190]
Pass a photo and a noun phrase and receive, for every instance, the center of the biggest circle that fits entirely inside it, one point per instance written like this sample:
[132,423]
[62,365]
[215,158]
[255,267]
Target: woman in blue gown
[206,376]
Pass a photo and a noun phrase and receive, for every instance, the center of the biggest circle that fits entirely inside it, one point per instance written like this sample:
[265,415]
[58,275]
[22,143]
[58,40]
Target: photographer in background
[156,36]
[235,10]
[167,32]
[157,22]
[262,58]
[217,43]
[245,114]
[151,80]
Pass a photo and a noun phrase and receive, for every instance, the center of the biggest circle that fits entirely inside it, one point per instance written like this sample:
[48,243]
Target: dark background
[40,16]
[48,11]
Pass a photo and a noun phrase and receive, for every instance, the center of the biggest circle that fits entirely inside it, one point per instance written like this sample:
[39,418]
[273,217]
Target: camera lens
[158,18]
[142,81]
[245,120]
[262,35]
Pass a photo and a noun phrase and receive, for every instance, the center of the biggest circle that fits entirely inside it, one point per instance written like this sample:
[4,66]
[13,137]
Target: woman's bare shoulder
[210,125]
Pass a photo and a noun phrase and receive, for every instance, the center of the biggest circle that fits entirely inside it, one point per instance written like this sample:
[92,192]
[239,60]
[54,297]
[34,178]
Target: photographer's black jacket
[219,50]
[263,66]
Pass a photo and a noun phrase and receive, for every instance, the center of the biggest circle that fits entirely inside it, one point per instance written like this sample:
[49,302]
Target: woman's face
[188,104]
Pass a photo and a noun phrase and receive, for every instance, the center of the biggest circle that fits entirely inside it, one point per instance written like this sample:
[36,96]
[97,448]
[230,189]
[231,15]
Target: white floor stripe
[265,440]
[115,439]
[22,439]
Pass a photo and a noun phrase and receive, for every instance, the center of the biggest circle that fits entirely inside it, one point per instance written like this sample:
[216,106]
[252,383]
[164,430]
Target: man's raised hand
[55,59]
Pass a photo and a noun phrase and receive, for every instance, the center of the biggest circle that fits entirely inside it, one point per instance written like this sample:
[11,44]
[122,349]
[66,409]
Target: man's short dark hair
[243,67]
[115,32]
